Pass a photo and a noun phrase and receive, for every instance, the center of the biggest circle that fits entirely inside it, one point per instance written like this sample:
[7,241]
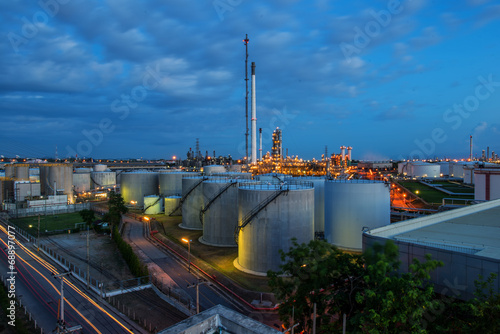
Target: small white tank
[152,205]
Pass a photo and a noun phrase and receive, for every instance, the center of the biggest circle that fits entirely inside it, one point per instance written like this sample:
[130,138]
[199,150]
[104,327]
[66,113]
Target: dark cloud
[165,73]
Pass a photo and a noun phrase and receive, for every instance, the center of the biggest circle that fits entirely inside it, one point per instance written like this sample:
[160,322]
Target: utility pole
[38,237]
[61,325]
[197,286]
[88,257]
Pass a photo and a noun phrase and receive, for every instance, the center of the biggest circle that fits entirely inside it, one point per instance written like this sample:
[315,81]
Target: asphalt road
[36,286]
[176,269]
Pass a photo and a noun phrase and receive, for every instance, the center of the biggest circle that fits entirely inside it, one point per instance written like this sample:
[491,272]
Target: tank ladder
[221,191]
[255,211]
[187,194]
[159,198]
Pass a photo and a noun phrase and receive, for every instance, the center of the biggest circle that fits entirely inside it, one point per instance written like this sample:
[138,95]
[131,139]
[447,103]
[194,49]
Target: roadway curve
[39,291]
[174,269]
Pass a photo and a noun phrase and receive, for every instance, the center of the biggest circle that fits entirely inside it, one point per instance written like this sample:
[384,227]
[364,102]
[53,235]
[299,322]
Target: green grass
[431,195]
[50,223]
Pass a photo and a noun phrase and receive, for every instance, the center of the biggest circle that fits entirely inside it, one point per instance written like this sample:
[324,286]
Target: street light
[189,252]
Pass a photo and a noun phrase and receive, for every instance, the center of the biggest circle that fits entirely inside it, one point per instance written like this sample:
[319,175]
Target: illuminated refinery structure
[336,165]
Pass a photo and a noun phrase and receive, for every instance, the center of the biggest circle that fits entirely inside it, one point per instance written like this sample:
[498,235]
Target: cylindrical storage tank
[152,205]
[271,177]
[403,168]
[221,218]
[352,206]
[60,176]
[136,185]
[171,182]
[192,192]
[425,170]
[19,173]
[22,173]
[289,215]
[319,199]
[212,169]
[81,182]
[103,179]
[100,168]
[10,171]
[172,205]
[234,175]
[235,168]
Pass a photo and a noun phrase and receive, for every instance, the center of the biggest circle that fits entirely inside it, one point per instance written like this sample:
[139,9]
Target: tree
[367,289]
[87,216]
[316,273]
[480,314]
[116,207]
[392,302]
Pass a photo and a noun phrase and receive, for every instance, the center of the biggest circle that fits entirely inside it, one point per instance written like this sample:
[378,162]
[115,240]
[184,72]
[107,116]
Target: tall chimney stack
[254,119]
[470,154]
[260,144]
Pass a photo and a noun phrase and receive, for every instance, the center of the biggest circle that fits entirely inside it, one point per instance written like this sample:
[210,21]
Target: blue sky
[123,78]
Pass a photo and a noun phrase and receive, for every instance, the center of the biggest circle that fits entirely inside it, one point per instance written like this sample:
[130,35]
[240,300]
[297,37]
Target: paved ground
[108,266]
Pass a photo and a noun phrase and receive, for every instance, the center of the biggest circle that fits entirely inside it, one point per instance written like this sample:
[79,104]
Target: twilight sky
[130,78]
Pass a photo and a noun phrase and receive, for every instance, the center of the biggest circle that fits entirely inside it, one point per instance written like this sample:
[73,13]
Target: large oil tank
[60,176]
[271,177]
[234,175]
[152,205]
[283,212]
[135,185]
[220,213]
[352,206]
[17,172]
[100,168]
[81,180]
[319,199]
[425,170]
[212,169]
[172,205]
[171,182]
[103,179]
[192,193]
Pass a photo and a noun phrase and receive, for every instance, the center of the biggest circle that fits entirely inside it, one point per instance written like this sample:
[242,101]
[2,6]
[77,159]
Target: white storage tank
[354,205]
[425,170]
[60,176]
[81,181]
[103,179]
[212,169]
[270,177]
[152,205]
[17,172]
[234,175]
[289,213]
[171,182]
[403,168]
[192,193]
[319,199]
[172,205]
[445,167]
[100,168]
[135,185]
[220,212]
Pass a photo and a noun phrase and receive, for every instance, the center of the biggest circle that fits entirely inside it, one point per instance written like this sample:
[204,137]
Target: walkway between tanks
[175,271]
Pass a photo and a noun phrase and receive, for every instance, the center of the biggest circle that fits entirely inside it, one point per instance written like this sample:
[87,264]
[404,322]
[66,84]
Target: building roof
[473,230]
[219,319]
